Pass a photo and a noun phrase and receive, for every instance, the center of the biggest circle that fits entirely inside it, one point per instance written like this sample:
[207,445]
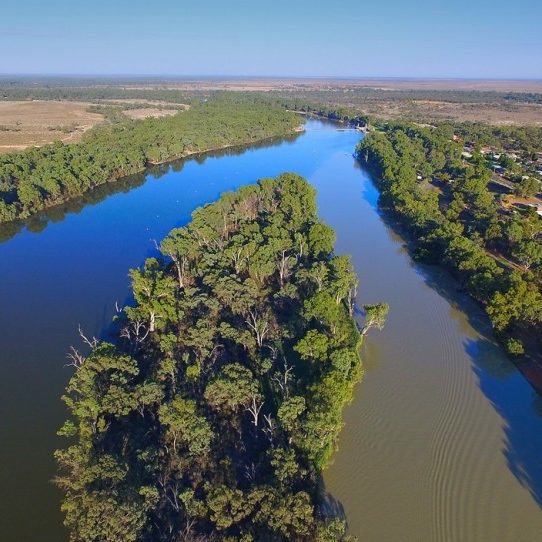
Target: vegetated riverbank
[39,221]
[455,228]
[39,178]
[220,403]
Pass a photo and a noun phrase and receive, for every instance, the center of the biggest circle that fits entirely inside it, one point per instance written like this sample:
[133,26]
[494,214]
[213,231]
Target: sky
[339,38]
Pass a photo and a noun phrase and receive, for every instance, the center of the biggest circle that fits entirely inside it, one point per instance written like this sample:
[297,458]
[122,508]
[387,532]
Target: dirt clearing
[29,123]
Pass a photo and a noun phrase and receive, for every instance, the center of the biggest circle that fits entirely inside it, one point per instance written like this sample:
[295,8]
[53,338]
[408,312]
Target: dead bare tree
[259,324]
[93,343]
[254,408]
[284,267]
[76,359]
[135,332]
[250,472]
[283,378]
[352,294]
[269,427]
[274,351]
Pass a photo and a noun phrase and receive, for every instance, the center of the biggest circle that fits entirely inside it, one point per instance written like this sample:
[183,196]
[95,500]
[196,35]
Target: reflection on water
[38,222]
[505,389]
[444,438]
[424,454]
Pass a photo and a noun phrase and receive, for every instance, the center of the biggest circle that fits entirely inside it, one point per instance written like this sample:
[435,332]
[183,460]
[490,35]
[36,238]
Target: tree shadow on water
[520,408]
[39,221]
[329,506]
[501,382]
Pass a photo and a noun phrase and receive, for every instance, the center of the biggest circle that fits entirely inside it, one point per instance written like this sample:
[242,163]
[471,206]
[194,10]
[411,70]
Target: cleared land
[146,112]
[415,99]
[36,112]
[268,84]
[436,110]
[29,123]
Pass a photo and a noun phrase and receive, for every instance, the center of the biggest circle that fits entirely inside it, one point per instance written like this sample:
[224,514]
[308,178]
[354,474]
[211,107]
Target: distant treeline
[90,94]
[331,112]
[215,411]
[338,93]
[359,95]
[37,178]
[457,222]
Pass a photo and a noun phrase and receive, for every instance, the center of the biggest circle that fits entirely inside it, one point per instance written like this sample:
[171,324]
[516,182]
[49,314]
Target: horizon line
[260,77]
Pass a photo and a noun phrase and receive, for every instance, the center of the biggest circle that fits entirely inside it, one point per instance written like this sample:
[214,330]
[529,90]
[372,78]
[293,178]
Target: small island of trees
[214,412]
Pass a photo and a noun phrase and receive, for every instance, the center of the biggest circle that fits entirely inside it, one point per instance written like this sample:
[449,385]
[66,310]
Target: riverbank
[529,363]
[191,154]
[40,178]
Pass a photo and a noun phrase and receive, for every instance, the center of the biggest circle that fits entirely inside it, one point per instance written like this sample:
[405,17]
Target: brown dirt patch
[146,112]
[428,110]
[36,123]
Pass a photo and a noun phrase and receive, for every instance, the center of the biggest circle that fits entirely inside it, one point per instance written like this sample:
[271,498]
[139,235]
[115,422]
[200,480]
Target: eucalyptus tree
[213,414]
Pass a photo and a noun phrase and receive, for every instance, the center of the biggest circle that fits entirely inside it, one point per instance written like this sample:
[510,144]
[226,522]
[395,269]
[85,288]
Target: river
[443,441]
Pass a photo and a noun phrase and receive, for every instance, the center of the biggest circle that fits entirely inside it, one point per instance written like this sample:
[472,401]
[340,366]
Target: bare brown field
[144,103]
[269,84]
[35,123]
[428,110]
[386,104]
[146,112]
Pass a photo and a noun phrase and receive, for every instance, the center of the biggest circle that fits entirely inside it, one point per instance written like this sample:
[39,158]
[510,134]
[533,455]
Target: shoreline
[526,364]
[149,165]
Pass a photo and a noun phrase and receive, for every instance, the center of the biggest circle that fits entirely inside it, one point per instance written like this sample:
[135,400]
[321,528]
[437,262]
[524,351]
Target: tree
[527,187]
[528,253]
[185,428]
[153,292]
[204,421]
[375,316]
[233,388]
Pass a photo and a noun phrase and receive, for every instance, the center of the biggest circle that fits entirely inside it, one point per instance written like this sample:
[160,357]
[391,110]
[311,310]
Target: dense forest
[92,89]
[37,178]
[213,412]
[444,200]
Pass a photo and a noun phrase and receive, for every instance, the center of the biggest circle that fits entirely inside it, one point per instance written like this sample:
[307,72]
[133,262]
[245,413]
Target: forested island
[462,192]
[214,411]
[38,178]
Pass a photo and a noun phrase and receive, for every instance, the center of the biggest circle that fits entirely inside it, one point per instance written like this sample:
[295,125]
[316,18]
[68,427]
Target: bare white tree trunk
[259,325]
[254,409]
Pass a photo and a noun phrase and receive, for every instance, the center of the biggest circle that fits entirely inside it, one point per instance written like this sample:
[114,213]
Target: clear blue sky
[416,38]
